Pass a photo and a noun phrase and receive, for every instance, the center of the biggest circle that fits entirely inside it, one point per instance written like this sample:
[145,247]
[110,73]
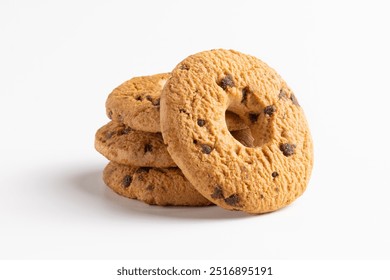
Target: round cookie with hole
[155,186]
[136,103]
[121,144]
[262,177]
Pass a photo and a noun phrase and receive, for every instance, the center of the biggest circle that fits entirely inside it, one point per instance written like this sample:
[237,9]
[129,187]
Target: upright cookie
[258,179]
[156,186]
[123,145]
[136,103]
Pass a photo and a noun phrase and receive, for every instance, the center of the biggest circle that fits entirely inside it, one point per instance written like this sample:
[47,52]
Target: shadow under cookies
[89,182]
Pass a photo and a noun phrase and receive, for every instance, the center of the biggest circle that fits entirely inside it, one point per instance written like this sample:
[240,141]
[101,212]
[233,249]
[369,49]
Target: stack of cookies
[140,166]
[222,128]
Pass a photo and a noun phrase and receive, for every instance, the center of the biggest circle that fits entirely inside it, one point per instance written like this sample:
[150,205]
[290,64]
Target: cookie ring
[123,145]
[258,179]
[136,103]
[155,186]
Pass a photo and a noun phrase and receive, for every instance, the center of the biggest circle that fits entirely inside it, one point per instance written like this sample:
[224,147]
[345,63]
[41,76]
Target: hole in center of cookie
[244,136]
[238,129]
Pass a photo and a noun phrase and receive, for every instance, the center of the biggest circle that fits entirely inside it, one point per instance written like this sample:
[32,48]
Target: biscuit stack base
[141,168]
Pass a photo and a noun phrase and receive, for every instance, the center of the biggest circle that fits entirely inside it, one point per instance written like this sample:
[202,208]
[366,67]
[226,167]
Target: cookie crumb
[226,82]
[269,110]
[206,149]
[287,149]
[232,200]
[127,181]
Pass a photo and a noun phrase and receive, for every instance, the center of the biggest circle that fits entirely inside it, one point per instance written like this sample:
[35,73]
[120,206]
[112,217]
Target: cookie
[121,144]
[156,186]
[265,177]
[136,103]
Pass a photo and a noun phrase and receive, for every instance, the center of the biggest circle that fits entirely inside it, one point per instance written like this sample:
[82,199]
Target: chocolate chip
[138,98]
[143,170]
[282,94]
[245,92]
[150,188]
[275,174]
[201,122]
[261,196]
[149,98]
[287,149]
[269,110]
[218,193]
[184,67]
[195,141]
[184,111]
[124,131]
[109,134]
[294,99]
[156,102]
[206,149]
[127,181]
[232,200]
[253,117]
[148,148]
[226,82]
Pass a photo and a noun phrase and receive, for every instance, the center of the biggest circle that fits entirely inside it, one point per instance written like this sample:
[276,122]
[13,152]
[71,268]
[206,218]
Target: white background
[60,60]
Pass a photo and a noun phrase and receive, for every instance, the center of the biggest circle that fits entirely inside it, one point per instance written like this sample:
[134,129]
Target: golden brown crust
[256,179]
[156,186]
[123,145]
[136,103]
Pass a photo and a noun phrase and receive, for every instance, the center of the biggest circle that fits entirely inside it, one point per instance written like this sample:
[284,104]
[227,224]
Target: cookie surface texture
[136,103]
[258,179]
[155,186]
[123,145]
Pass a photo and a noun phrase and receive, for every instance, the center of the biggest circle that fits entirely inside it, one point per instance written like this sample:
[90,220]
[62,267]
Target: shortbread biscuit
[157,186]
[258,179]
[121,144]
[136,103]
